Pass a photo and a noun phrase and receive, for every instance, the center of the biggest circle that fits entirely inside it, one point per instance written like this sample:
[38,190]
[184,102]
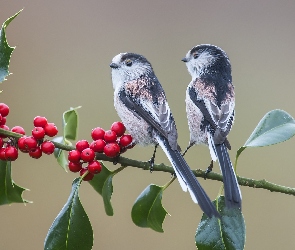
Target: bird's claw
[209,169]
[151,162]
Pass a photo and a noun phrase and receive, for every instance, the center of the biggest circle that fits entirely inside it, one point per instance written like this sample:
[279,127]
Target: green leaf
[5,49]
[71,228]
[227,233]
[70,129]
[275,127]
[70,124]
[107,192]
[99,180]
[232,226]
[59,154]
[102,183]
[147,210]
[9,191]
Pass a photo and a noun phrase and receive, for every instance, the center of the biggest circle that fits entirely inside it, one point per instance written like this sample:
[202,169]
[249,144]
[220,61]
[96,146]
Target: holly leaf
[70,123]
[102,183]
[9,191]
[59,154]
[70,129]
[5,49]
[71,229]
[147,210]
[229,232]
[275,127]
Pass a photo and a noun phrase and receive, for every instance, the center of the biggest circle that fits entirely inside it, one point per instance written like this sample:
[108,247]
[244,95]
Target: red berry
[38,133]
[2,154]
[35,153]
[75,166]
[4,109]
[19,130]
[110,136]
[87,177]
[125,140]
[47,147]
[3,121]
[98,145]
[5,128]
[87,155]
[94,167]
[40,121]
[74,156]
[21,144]
[97,133]
[81,145]
[111,150]
[50,129]
[11,153]
[30,143]
[118,128]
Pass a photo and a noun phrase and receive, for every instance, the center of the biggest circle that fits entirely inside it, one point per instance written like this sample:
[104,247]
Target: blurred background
[62,57]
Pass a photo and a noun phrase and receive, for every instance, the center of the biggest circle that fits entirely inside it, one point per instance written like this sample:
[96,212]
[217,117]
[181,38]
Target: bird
[141,103]
[210,104]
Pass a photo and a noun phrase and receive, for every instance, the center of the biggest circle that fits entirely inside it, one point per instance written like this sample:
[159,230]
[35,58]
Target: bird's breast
[135,125]
[195,120]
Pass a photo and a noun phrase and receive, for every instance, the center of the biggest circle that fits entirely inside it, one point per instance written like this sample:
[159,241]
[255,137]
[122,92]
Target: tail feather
[232,192]
[187,179]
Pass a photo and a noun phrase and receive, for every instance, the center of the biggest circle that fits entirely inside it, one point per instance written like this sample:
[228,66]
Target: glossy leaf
[232,226]
[102,183]
[71,228]
[107,192]
[5,49]
[59,154]
[70,124]
[227,233]
[9,191]
[70,129]
[147,210]
[275,127]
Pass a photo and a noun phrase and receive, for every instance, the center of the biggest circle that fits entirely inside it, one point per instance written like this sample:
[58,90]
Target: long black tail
[187,179]
[232,193]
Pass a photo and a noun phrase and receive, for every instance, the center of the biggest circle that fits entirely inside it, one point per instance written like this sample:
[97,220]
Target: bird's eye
[195,55]
[128,62]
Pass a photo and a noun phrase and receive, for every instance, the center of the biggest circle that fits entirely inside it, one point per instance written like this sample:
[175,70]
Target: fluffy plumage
[210,102]
[142,106]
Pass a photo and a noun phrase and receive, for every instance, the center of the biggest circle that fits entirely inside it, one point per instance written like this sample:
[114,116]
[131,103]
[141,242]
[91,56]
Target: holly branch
[145,165]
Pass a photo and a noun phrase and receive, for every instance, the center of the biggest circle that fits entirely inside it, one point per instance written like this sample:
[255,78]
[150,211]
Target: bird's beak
[114,65]
[184,59]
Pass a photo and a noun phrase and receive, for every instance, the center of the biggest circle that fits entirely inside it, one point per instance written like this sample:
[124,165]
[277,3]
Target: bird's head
[129,66]
[206,58]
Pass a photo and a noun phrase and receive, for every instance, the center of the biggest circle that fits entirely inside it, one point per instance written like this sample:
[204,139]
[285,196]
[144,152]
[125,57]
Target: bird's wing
[217,110]
[147,100]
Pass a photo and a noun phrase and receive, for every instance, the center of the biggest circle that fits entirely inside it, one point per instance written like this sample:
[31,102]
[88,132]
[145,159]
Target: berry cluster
[35,144]
[111,142]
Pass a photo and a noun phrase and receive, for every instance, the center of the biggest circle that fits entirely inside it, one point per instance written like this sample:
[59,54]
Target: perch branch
[243,181]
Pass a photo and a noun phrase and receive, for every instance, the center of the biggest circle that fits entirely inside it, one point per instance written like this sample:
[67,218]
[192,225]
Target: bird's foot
[187,148]
[151,162]
[209,169]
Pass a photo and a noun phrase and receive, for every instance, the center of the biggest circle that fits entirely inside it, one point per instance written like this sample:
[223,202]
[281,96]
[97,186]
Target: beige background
[62,59]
